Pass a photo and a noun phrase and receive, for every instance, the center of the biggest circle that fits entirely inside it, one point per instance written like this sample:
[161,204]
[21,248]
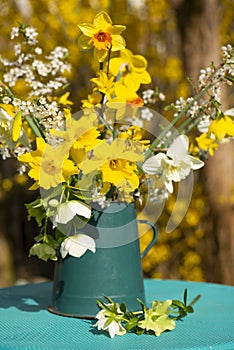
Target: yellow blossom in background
[64,99]
[130,69]
[206,143]
[21,179]
[7,184]
[102,36]
[222,127]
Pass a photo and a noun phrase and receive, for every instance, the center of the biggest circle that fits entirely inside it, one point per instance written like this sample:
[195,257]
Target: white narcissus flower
[66,211]
[77,245]
[175,165]
[107,322]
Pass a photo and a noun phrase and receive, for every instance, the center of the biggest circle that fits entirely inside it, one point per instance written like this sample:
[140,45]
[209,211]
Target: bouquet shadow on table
[32,298]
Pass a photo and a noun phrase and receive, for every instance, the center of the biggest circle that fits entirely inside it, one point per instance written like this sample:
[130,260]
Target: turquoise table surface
[26,324]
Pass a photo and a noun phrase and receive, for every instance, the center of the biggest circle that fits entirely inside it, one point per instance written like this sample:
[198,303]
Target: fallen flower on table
[118,320]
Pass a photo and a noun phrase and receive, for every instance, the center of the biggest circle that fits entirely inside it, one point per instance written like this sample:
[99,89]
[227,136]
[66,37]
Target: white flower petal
[113,329]
[195,163]
[66,211]
[179,148]
[168,185]
[229,112]
[80,208]
[77,245]
[153,164]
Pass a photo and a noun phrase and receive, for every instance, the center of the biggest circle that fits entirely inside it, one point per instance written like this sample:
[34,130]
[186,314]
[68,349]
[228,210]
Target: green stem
[45,229]
[8,91]
[137,312]
[105,123]
[190,123]
[114,129]
[101,65]
[33,125]
[62,194]
[108,60]
[175,120]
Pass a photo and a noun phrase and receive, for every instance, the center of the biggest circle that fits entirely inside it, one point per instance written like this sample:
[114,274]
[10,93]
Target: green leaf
[185,296]
[189,309]
[36,210]
[39,238]
[109,300]
[43,251]
[142,304]
[131,324]
[140,331]
[59,236]
[123,307]
[178,303]
[103,305]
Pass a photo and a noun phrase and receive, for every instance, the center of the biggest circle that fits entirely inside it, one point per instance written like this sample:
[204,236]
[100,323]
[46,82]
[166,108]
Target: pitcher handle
[155,234]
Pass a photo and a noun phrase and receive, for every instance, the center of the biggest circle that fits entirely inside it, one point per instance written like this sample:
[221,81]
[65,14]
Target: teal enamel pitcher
[114,270]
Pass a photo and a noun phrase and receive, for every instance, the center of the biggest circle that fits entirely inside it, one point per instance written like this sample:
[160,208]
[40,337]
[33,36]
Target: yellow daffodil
[80,136]
[104,84]
[116,162]
[93,99]
[125,101]
[222,127]
[49,167]
[102,35]
[76,128]
[131,69]
[134,133]
[206,143]
[119,171]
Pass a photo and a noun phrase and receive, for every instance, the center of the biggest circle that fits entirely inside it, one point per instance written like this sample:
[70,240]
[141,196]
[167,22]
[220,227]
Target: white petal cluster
[77,245]
[110,322]
[68,210]
[175,165]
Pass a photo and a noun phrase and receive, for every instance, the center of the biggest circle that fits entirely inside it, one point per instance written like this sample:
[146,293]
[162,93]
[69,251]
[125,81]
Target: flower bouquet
[116,149]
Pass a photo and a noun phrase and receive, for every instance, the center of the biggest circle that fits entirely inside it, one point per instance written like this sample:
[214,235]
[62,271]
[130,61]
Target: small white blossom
[22,169]
[31,35]
[147,96]
[14,32]
[99,198]
[204,124]
[135,121]
[17,49]
[6,100]
[161,96]
[146,114]
[38,50]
